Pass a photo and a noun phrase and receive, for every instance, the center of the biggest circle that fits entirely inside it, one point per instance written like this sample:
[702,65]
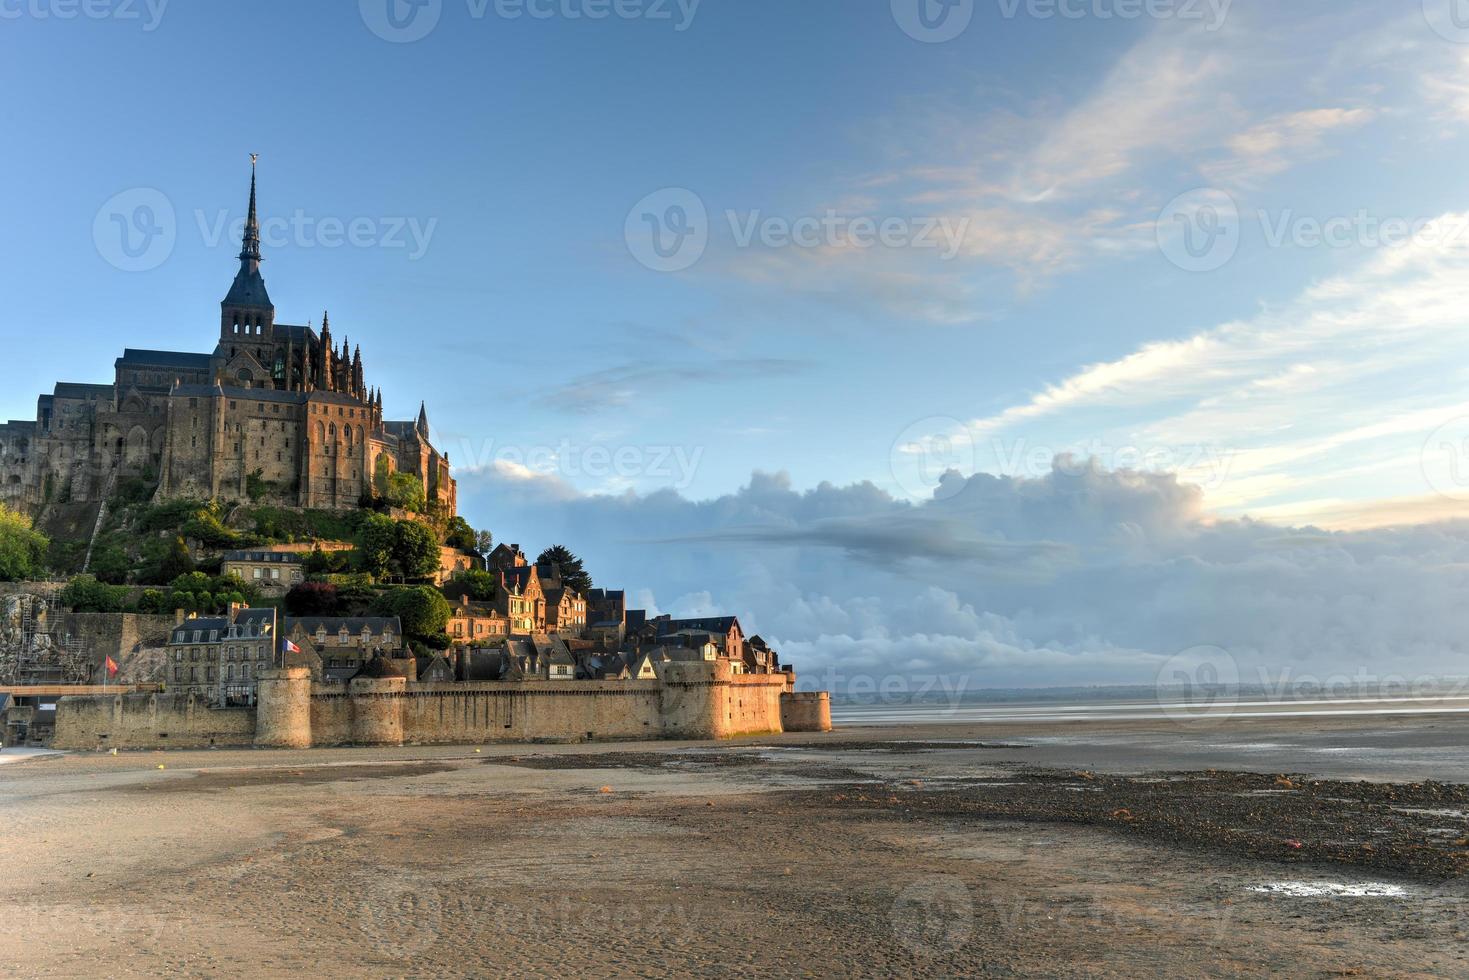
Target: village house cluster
[535,629]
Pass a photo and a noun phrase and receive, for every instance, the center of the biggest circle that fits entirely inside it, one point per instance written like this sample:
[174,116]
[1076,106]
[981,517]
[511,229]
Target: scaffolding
[34,648]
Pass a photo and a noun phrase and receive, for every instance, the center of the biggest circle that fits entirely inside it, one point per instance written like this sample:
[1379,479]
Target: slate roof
[71,389]
[282,557]
[401,430]
[517,579]
[133,357]
[248,289]
[220,625]
[714,624]
[376,625]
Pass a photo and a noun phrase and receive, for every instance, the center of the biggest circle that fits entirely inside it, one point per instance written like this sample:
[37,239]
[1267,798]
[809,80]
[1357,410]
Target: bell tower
[247,316]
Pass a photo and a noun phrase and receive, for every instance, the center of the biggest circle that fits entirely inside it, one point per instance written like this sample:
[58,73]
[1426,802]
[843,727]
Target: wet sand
[864,852]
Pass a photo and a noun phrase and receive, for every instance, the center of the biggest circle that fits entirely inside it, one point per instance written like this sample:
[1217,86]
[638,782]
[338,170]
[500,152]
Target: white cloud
[1115,573]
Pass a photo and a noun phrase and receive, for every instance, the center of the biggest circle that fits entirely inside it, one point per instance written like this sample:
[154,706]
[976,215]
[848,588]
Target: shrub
[22,548]
[422,610]
[85,594]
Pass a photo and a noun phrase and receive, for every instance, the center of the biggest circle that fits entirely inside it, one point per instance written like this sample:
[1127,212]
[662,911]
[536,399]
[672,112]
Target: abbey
[275,409]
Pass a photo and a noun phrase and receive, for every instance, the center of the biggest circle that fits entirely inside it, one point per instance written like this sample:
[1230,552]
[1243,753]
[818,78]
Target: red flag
[111,666]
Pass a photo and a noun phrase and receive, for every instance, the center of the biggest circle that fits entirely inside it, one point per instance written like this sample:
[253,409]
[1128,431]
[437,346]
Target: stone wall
[149,721]
[693,701]
[805,711]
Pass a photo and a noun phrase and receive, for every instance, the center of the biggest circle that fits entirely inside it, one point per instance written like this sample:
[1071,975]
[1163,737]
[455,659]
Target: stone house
[521,600]
[566,611]
[346,638]
[219,657]
[726,628]
[272,572]
[477,623]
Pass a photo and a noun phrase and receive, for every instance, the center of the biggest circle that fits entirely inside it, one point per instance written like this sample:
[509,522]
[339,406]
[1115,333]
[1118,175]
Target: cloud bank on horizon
[1081,576]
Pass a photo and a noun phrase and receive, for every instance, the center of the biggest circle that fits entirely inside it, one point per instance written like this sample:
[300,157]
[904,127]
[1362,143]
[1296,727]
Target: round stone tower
[283,708]
[377,709]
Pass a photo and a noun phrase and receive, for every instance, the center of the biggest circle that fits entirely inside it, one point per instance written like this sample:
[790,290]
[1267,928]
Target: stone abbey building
[275,406]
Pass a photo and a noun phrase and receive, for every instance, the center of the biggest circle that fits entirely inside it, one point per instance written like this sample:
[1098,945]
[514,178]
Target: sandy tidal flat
[850,854]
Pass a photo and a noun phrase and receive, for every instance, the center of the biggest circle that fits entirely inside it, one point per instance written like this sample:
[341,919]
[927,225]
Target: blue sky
[1293,381]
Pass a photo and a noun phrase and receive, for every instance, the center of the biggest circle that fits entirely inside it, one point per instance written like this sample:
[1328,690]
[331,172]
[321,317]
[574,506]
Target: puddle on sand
[1330,889]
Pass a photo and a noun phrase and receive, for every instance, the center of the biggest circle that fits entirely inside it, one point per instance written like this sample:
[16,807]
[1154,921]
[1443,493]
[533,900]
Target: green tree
[421,609]
[459,534]
[375,543]
[478,585]
[573,575]
[111,564]
[405,491]
[177,562]
[85,594]
[153,602]
[484,542]
[22,548]
[415,550]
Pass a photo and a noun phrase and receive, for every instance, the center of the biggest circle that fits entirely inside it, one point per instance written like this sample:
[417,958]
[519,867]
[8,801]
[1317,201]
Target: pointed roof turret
[423,418]
[326,327]
[248,289]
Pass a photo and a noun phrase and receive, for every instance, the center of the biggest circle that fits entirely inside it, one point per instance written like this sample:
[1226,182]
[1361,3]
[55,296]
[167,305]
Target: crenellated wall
[691,701]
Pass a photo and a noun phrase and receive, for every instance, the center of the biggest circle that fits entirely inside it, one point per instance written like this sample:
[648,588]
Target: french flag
[288,647]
